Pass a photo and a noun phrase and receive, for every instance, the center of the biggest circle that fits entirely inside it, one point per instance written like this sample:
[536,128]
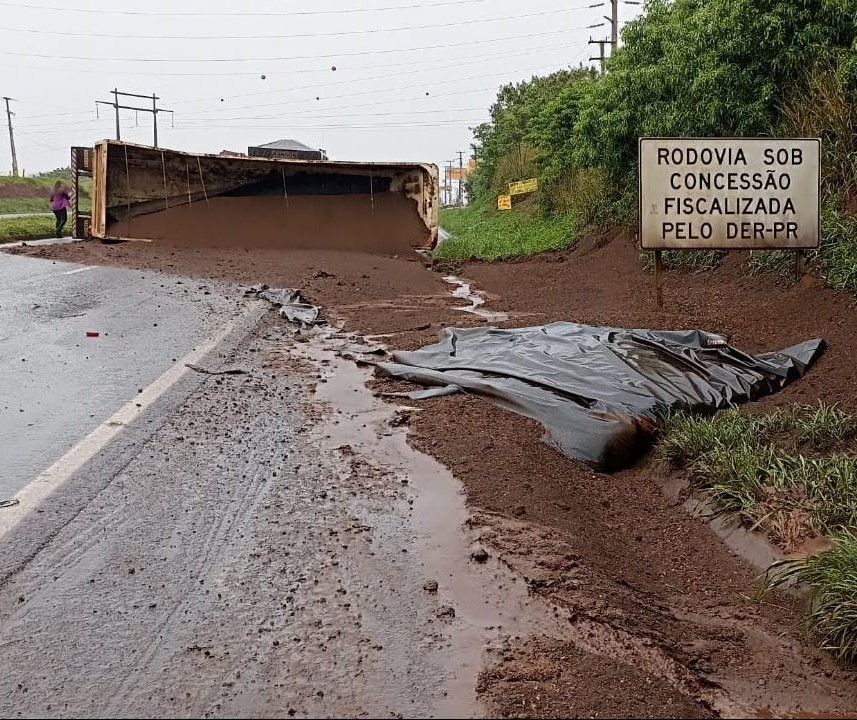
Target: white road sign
[728,193]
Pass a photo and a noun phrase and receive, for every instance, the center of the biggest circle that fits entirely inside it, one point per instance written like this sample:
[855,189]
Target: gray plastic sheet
[292,305]
[599,392]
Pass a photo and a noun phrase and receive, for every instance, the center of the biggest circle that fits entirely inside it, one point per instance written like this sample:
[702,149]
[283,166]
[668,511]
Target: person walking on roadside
[60,204]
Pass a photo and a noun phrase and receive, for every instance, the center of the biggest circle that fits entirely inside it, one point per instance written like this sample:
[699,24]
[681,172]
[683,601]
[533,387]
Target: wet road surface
[256,544]
[58,384]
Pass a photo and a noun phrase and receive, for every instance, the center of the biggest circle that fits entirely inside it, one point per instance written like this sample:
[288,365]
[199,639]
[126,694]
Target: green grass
[684,260]
[791,473]
[477,231]
[24,205]
[26,228]
[41,187]
[832,575]
[836,257]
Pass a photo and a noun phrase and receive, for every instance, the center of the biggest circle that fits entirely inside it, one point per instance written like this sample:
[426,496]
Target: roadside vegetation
[31,194]
[835,259]
[477,231]
[694,261]
[686,68]
[26,228]
[9,206]
[791,474]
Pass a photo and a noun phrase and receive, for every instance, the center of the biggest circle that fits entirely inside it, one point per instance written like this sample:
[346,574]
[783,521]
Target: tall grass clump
[831,619]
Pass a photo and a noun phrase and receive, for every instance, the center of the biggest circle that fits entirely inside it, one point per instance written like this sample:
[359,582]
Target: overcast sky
[411,77]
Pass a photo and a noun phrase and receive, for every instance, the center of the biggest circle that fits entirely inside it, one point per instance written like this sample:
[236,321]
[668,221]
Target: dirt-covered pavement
[622,602]
[273,548]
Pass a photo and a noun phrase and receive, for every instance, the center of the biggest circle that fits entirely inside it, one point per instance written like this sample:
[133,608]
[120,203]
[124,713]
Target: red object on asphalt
[91,333]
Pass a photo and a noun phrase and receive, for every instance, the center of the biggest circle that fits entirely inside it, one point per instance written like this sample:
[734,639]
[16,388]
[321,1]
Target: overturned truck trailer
[177,198]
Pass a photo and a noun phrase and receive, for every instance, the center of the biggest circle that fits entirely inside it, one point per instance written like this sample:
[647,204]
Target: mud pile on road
[656,597]
[386,223]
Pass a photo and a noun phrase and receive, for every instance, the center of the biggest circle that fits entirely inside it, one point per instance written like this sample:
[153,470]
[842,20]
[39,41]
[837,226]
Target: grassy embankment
[30,195]
[792,474]
[481,232]
[26,228]
[9,206]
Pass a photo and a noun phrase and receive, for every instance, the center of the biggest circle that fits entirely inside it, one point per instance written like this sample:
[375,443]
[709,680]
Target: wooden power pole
[9,115]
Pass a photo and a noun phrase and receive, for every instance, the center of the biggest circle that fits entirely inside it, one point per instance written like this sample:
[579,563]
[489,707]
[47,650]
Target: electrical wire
[266,13]
[308,111]
[454,63]
[361,93]
[295,71]
[338,33]
[298,57]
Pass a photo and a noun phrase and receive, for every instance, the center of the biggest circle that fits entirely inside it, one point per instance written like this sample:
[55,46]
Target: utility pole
[9,115]
[447,182]
[155,117]
[116,107]
[614,30]
[613,42]
[460,175]
[601,43]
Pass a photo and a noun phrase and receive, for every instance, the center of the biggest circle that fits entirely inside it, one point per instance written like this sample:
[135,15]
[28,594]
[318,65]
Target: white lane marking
[79,270]
[58,473]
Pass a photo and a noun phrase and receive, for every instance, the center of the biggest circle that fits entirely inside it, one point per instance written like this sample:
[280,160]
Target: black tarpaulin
[599,392]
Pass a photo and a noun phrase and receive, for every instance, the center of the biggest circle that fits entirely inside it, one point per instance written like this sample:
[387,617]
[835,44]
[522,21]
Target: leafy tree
[511,124]
[707,67]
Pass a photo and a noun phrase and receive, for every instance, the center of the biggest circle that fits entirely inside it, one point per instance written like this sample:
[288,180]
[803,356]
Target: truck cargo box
[177,198]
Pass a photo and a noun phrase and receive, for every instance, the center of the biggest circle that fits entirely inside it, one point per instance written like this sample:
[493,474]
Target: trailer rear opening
[175,198]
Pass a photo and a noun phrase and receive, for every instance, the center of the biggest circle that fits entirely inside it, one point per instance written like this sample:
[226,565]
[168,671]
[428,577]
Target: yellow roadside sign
[523,186]
[504,202]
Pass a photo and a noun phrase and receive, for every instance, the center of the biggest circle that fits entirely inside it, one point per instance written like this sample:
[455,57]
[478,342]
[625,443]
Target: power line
[303,114]
[312,126]
[204,122]
[361,93]
[302,71]
[332,126]
[308,113]
[299,57]
[454,63]
[275,117]
[268,13]
[339,33]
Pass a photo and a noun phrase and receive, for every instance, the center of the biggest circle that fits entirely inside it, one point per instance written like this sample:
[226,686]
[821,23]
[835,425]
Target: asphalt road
[263,543]
[58,383]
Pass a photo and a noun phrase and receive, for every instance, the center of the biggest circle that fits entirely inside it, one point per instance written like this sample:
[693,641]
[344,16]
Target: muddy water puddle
[476,606]
[464,291]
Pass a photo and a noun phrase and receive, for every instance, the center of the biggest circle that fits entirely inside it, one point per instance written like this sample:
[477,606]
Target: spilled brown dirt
[660,616]
[381,223]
